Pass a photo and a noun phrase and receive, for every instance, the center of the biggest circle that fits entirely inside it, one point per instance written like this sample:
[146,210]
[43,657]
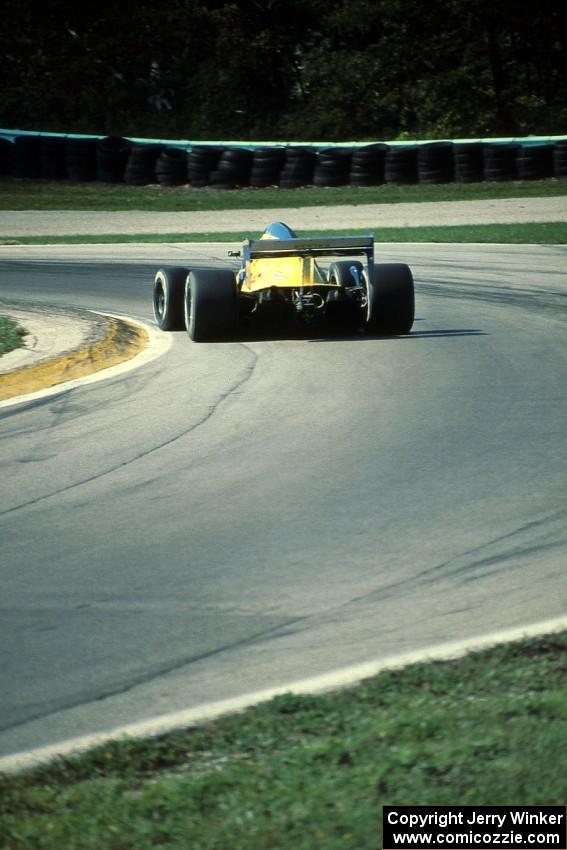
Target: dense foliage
[296,69]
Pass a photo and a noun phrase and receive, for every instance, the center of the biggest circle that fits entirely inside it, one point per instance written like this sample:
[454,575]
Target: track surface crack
[233,388]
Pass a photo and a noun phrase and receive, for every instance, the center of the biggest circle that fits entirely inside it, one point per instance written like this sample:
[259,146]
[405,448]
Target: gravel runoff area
[499,211]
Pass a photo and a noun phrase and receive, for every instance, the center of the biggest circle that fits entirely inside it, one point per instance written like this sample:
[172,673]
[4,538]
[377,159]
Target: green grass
[306,772]
[61,195]
[11,335]
[547,233]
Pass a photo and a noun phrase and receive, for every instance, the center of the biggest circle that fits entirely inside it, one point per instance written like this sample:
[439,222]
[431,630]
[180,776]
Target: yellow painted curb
[121,342]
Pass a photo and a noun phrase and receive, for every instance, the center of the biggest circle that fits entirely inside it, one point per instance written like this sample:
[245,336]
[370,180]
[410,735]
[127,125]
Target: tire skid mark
[467,563]
[323,683]
[232,389]
[166,669]
[548,301]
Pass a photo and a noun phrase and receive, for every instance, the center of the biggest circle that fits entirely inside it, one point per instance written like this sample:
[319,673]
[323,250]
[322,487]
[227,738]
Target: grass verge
[305,772]
[60,195]
[544,233]
[11,335]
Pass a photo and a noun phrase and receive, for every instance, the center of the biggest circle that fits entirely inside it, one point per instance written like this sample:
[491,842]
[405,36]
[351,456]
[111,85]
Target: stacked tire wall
[113,159]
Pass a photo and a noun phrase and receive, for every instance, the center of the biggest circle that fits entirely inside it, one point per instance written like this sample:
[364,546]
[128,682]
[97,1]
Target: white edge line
[158,344]
[317,684]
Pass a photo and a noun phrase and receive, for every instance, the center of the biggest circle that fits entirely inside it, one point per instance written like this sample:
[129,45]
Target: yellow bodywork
[283,272]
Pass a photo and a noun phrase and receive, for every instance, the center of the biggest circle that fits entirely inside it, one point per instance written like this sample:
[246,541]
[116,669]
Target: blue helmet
[278,230]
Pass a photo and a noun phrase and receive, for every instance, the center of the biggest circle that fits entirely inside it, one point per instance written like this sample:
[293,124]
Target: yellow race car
[281,281]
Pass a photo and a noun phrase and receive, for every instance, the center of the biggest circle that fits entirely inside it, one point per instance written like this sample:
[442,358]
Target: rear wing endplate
[339,246]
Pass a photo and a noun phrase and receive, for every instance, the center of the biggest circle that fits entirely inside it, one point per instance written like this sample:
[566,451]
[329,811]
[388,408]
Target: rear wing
[339,246]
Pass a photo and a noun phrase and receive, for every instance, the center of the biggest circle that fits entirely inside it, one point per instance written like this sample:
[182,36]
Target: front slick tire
[390,300]
[211,304]
[169,289]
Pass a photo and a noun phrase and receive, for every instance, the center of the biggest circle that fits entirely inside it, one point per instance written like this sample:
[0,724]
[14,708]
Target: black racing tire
[468,173]
[168,295]
[26,154]
[199,182]
[6,148]
[297,172]
[400,164]
[210,304]
[326,180]
[500,161]
[52,158]
[434,175]
[80,157]
[141,166]
[238,155]
[365,171]
[390,306]
[560,160]
[469,160]
[293,182]
[265,173]
[171,167]
[269,156]
[264,182]
[370,154]
[341,273]
[366,180]
[535,162]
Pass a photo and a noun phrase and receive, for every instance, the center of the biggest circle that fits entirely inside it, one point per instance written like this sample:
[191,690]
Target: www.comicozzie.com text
[501,826]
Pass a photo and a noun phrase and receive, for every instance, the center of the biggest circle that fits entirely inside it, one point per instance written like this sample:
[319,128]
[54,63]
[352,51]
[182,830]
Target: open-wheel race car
[281,281]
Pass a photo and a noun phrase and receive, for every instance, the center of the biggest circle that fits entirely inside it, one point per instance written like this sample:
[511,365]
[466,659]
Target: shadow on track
[311,334]
[437,333]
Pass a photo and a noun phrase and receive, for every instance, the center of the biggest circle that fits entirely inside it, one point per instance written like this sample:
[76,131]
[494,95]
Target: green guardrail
[11,135]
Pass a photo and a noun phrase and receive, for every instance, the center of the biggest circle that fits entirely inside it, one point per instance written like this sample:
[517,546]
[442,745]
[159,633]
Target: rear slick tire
[346,273]
[390,306]
[169,289]
[210,304]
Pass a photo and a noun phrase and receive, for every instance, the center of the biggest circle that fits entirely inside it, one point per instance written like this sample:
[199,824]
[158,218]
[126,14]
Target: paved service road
[235,516]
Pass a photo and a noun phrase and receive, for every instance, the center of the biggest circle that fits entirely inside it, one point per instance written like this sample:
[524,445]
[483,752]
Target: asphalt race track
[240,515]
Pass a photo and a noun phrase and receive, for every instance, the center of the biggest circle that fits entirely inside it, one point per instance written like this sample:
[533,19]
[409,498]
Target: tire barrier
[535,162]
[401,165]
[298,169]
[233,169]
[367,165]
[5,156]
[53,158]
[112,155]
[435,163]
[141,166]
[26,157]
[80,155]
[114,159]
[560,159]
[469,162]
[267,164]
[499,162]
[333,167]
[171,167]
[201,160]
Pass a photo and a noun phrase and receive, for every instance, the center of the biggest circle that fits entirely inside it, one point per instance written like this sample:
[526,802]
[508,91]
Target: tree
[302,69]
